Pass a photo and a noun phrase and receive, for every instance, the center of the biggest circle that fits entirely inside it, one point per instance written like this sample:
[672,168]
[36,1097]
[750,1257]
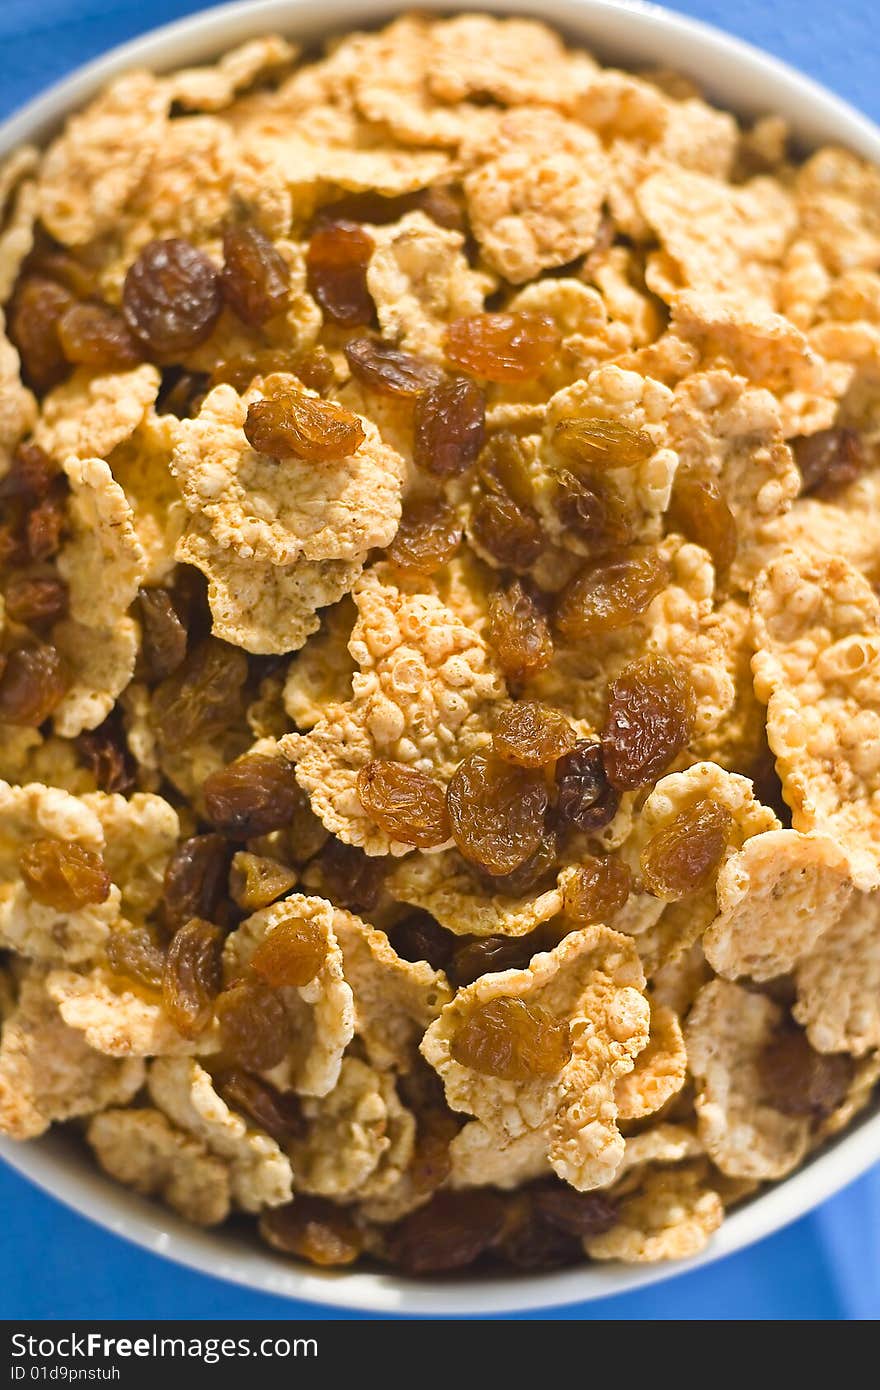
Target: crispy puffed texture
[90,171]
[593,980]
[115,1020]
[481,1157]
[18,409]
[838,203]
[321,1013]
[103,561]
[48,1072]
[443,886]
[671,1216]
[16,228]
[659,1071]
[726,1032]
[140,464]
[677,983]
[394,999]
[28,756]
[421,695]
[320,674]
[419,280]
[101,662]
[619,275]
[861,1092]
[140,834]
[140,1149]
[88,415]
[211,88]
[282,511]
[776,899]
[259,1173]
[661,1143]
[535,199]
[261,607]
[816,624]
[514,61]
[838,983]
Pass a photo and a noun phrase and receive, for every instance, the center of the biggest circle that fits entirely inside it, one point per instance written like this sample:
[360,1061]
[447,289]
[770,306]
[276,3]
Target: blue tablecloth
[53,1264]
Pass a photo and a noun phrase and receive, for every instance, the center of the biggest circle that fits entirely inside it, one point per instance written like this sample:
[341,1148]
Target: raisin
[389,371]
[519,633]
[444,205]
[251,796]
[408,805]
[195,880]
[34,314]
[683,856]
[611,592]
[45,525]
[278,1113]
[315,370]
[698,511]
[104,752]
[254,1027]
[420,937]
[531,734]
[488,955]
[450,422]
[496,812]
[94,335]
[515,1041]
[799,1081]
[36,601]
[527,875]
[202,698]
[292,425]
[313,1229]
[649,721]
[596,890]
[163,635]
[255,882]
[134,954]
[505,468]
[428,535]
[584,799]
[349,877]
[828,460]
[54,263]
[336,268]
[31,474]
[34,683]
[530,1242]
[431,1161]
[595,442]
[293,953]
[449,1232]
[63,875]
[592,510]
[502,347]
[255,279]
[181,393]
[511,534]
[171,297]
[192,976]
[581,1214]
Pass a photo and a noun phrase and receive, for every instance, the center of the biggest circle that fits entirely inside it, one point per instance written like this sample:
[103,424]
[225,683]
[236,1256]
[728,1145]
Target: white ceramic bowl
[736,76]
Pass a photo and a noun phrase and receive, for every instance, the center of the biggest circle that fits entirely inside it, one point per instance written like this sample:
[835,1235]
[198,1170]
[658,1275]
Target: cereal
[837,982]
[117,1020]
[213,88]
[443,886]
[94,412]
[659,1071]
[670,1216]
[140,1149]
[103,561]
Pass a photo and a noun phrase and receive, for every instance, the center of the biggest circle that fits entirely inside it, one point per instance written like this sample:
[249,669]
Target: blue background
[54,1264]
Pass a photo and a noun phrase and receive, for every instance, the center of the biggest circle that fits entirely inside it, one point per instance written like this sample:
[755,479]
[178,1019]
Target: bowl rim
[741,70]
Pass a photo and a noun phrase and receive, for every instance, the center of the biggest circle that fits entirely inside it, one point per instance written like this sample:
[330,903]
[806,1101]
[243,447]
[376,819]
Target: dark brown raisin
[336,268]
[531,734]
[255,279]
[431,1162]
[406,804]
[828,460]
[419,937]
[428,535]
[502,347]
[581,1214]
[584,799]
[349,877]
[94,335]
[45,525]
[254,1026]
[34,683]
[591,510]
[279,1113]
[519,633]
[36,600]
[683,856]
[699,511]
[596,890]
[192,976]
[34,314]
[291,954]
[799,1081]
[171,298]
[496,812]
[31,475]
[292,425]
[450,1232]
[63,875]
[163,635]
[450,421]
[594,442]
[532,1243]
[251,796]
[536,870]
[488,955]
[135,955]
[313,1229]
[195,880]
[202,698]
[104,752]
[510,533]
[611,592]
[513,1040]
[389,371]
[649,721]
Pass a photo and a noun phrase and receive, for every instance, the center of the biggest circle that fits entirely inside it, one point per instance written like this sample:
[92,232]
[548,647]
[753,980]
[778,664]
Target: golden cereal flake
[776,898]
[259,1173]
[659,1070]
[101,661]
[726,1032]
[838,203]
[803,284]
[141,1150]
[91,413]
[118,1021]
[442,885]
[516,62]
[661,1143]
[593,981]
[282,511]
[140,834]
[27,756]
[91,170]
[619,275]
[817,667]
[48,1073]
[671,1216]
[213,88]
[320,674]
[17,229]
[140,465]
[321,1013]
[860,1094]
[102,561]
[481,1157]
[838,983]
[18,409]
[420,696]
[677,983]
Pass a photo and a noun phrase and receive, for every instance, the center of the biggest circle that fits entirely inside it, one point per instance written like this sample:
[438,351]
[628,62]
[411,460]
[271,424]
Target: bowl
[737,76]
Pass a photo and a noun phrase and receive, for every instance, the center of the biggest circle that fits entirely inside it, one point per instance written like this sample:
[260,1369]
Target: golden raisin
[496,812]
[537,869]
[202,697]
[171,297]
[828,460]
[291,954]
[505,467]
[591,509]
[63,875]
[255,881]
[255,279]
[254,1027]
[502,347]
[799,1081]
[251,796]
[407,804]
[195,880]
[389,371]
[192,976]
[292,425]
[698,510]
[611,592]
[33,684]
[515,1041]
[431,1162]
[683,856]
[511,534]
[519,633]
[449,427]
[36,601]
[531,734]
[596,890]
[133,954]
[419,937]
[163,635]
[279,1113]
[313,1229]
[105,754]
[428,535]
[649,721]
[94,335]
[449,1232]
[584,799]
[34,314]
[336,266]
[595,442]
